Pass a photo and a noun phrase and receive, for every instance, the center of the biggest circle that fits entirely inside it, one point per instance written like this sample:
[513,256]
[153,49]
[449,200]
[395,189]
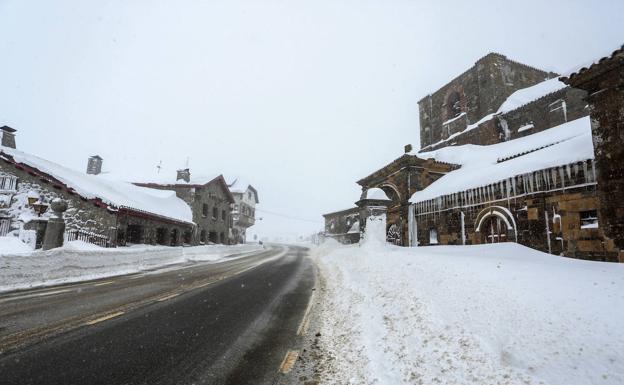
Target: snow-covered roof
[169,177]
[568,143]
[529,94]
[115,193]
[376,193]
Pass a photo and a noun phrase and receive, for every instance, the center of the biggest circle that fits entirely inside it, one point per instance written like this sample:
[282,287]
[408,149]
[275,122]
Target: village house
[244,212]
[209,198]
[101,211]
[507,155]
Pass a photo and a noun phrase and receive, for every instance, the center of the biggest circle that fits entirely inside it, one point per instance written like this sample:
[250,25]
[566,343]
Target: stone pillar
[56,226]
[604,83]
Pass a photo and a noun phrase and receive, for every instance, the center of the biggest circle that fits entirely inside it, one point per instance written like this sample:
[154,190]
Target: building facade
[244,211]
[507,155]
[106,213]
[210,201]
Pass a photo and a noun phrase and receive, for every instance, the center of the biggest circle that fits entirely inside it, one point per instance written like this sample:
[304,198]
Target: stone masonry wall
[476,93]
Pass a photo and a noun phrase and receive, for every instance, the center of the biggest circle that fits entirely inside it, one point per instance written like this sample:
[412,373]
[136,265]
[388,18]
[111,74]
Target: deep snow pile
[489,314]
[79,261]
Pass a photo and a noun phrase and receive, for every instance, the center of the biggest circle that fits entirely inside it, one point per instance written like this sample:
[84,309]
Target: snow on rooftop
[529,94]
[568,143]
[169,177]
[376,193]
[514,101]
[113,192]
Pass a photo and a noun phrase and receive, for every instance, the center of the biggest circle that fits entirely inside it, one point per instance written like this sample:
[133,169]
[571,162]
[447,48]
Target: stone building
[100,211]
[244,212]
[494,101]
[508,156]
[210,200]
[604,83]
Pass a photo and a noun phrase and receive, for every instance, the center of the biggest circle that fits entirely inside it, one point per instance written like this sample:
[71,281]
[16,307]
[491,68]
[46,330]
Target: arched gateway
[496,224]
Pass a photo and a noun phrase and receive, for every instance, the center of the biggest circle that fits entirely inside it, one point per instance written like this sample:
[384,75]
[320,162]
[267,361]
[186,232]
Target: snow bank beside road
[78,261]
[490,314]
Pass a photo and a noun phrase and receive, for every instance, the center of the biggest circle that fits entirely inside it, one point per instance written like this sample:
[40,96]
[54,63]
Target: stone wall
[554,212]
[476,93]
[81,213]
[549,111]
[204,200]
[604,83]
[338,224]
[85,215]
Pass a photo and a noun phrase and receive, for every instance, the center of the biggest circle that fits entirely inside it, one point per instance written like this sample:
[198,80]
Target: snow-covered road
[489,314]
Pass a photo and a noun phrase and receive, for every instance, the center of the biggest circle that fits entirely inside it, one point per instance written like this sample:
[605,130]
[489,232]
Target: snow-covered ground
[488,314]
[79,261]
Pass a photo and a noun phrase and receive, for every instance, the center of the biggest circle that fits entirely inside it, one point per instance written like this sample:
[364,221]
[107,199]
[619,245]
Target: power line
[289,216]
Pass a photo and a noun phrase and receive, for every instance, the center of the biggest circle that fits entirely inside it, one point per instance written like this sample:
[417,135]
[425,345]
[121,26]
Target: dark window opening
[215,213]
[205,210]
[134,233]
[202,236]
[187,237]
[453,104]
[222,215]
[174,237]
[589,219]
[161,234]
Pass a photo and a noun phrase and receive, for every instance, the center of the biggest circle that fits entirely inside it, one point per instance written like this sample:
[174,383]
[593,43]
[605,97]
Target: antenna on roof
[158,167]
[187,162]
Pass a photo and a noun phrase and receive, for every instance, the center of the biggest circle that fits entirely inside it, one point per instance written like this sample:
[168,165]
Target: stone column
[56,226]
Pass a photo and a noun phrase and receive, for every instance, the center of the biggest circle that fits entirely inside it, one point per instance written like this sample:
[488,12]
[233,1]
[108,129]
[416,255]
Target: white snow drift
[489,314]
[79,261]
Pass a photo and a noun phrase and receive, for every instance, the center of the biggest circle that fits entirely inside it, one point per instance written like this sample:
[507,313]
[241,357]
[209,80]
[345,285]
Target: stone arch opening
[496,224]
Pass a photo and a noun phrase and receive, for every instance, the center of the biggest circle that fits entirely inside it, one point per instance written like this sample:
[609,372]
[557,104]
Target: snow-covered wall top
[529,94]
[112,192]
[376,193]
[568,143]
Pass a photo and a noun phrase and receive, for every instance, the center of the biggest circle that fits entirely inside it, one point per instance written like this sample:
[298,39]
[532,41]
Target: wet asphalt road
[227,323]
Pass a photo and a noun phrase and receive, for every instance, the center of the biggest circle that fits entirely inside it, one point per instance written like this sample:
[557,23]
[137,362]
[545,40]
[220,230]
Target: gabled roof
[195,182]
[240,186]
[111,194]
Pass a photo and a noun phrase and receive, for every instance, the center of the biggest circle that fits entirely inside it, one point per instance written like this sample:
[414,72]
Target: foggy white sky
[302,98]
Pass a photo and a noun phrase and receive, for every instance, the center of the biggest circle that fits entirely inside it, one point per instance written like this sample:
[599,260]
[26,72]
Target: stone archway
[496,224]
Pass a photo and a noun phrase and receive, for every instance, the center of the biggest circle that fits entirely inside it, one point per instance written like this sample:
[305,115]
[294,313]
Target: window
[202,236]
[589,219]
[205,210]
[433,237]
[453,104]
[215,213]
[222,215]
[249,194]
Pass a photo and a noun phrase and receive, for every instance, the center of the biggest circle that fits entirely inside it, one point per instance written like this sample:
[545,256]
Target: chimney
[94,166]
[408,148]
[184,174]
[8,136]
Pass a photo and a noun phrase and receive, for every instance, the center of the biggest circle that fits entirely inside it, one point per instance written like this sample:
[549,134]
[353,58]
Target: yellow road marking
[303,326]
[34,295]
[104,283]
[168,297]
[289,361]
[104,318]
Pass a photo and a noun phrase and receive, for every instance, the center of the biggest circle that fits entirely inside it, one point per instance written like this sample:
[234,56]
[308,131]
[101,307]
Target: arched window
[453,104]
